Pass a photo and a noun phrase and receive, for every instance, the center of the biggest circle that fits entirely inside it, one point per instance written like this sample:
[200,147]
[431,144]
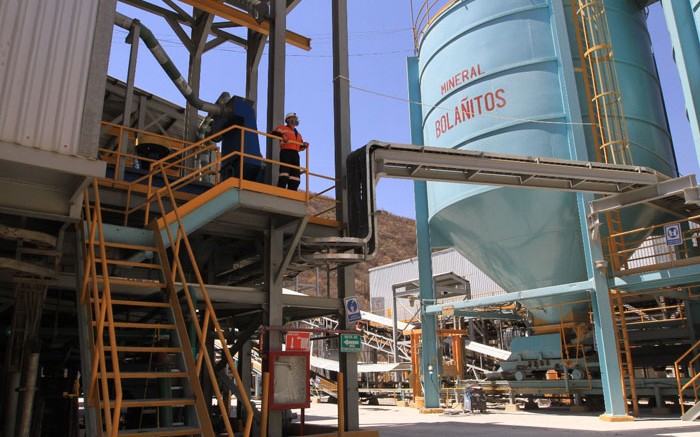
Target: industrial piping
[170,69]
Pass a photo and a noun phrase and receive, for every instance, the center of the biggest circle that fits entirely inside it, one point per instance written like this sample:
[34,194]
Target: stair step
[158,432]
[137,325]
[137,303]
[128,246]
[148,375]
[692,413]
[147,349]
[133,282]
[159,402]
[119,262]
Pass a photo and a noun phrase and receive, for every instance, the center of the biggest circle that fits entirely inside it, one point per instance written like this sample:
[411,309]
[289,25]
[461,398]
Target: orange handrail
[176,242]
[102,308]
[691,373]
[658,253]
[174,166]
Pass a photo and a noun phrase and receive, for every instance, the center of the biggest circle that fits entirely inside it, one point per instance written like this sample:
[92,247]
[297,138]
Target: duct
[362,221]
[25,423]
[170,69]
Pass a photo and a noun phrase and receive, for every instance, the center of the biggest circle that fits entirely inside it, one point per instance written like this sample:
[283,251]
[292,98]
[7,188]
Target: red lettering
[478,104]
[466,114]
[437,129]
[490,102]
[499,96]
[461,78]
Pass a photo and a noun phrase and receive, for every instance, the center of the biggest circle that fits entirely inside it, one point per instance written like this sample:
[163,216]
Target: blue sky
[380,38]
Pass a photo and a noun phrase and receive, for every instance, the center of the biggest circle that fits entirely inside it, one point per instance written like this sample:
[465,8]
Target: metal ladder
[623,349]
[612,146]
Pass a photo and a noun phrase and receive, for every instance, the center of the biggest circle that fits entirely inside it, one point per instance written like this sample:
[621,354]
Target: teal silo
[499,76]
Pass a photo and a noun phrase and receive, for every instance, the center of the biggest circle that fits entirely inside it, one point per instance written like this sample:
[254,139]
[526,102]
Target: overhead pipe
[32,369]
[170,69]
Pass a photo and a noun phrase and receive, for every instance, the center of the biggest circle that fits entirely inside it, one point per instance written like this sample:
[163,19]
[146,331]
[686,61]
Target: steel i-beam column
[604,324]
[429,356]
[275,82]
[341,118]
[274,242]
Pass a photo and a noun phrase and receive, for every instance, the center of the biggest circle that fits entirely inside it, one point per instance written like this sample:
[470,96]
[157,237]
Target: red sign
[297,341]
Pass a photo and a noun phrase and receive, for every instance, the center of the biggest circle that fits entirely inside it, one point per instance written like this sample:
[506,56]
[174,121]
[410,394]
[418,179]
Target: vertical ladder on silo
[624,353]
[602,89]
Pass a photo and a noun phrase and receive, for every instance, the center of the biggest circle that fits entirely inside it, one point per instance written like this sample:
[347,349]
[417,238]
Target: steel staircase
[687,364]
[148,331]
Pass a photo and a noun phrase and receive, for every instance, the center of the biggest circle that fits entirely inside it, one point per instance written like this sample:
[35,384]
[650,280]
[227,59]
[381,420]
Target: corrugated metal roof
[45,53]
[382,279]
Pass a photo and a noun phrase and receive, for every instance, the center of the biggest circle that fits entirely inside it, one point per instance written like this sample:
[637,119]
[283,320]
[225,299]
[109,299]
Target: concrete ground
[393,421]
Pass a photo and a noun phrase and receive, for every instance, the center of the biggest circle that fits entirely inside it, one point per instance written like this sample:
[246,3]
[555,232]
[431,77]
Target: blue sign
[352,310]
[673,234]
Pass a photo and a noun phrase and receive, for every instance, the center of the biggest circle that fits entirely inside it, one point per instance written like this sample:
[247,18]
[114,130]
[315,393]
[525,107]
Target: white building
[450,270]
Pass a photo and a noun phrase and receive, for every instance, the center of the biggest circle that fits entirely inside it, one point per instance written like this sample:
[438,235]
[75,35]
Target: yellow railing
[690,366]
[429,10]
[178,167]
[177,242]
[657,314]
[643,254]
[102,315]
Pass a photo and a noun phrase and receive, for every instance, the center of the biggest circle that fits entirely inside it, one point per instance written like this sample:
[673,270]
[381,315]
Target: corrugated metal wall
[381,280]
[45,48]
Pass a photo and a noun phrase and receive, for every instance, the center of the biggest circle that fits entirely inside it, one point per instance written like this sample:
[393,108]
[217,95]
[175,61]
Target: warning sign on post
[297,341]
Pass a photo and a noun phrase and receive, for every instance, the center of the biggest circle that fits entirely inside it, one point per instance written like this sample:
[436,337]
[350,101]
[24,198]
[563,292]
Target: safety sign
[673,234]
[352,310]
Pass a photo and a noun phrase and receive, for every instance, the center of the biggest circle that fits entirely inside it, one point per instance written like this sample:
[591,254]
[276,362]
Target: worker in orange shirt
[290,145]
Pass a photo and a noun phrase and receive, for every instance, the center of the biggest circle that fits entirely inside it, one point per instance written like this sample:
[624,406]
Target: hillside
[397,241]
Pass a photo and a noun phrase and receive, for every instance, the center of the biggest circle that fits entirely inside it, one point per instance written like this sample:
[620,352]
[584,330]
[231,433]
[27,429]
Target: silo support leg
[615,410]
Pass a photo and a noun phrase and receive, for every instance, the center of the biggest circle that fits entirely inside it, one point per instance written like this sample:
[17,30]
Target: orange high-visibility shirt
[291,138]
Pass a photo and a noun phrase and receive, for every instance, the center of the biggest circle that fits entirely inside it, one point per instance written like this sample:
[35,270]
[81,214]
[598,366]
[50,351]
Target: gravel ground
[393,421]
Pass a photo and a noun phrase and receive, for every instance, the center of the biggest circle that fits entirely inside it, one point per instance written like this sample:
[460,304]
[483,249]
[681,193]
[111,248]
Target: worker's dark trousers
[289,176]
